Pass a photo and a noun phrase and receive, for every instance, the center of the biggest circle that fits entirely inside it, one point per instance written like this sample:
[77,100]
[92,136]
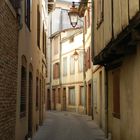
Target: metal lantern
[73,15]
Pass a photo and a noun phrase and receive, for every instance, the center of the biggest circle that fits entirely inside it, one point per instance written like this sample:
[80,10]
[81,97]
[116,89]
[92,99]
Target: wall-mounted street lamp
[76,54]
[73,15]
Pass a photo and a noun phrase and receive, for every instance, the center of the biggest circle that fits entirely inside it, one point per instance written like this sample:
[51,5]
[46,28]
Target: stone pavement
[68,126]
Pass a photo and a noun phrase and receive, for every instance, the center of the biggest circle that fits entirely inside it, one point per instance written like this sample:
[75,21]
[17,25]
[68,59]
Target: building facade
[116,48]
[8,68]
[32,68]
[67,90]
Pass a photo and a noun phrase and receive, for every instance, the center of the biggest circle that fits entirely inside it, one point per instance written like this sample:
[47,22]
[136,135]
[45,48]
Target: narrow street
[68,126]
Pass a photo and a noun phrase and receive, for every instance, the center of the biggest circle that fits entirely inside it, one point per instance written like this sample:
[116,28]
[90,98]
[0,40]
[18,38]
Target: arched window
[23,87]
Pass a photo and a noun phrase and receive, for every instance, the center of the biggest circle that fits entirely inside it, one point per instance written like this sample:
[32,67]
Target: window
[116,93]
[82,96]
[44,41]
[100,12]
[37,89]
[55,45]
[27,13]
[72,96]
[59,96]
[88,60]
[72,65]
[38,26]
[15,3]
[23,92]
[56,71]
[64,66]
[80,60]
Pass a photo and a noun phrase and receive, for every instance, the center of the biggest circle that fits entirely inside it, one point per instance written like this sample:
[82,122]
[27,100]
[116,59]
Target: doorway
[30,105]
[48,100]
[64,99]
[53,99]
[89,100]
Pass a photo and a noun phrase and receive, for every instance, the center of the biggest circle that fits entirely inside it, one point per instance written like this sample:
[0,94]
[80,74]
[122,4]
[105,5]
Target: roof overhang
[124,44]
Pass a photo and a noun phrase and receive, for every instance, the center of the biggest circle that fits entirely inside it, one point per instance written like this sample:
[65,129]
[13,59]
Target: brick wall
[8,72]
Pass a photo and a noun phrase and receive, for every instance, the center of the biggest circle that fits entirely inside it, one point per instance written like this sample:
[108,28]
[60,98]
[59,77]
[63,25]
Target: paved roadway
[68,126]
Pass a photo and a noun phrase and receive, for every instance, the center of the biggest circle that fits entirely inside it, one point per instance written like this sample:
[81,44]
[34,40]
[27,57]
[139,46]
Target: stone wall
[8,71]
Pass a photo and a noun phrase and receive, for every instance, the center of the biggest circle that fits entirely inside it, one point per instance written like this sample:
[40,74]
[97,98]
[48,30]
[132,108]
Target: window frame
[28,14]
[23,91]
[72,102]
[38,26]
[81,102]
[65,66]
[100,12]
[72,65]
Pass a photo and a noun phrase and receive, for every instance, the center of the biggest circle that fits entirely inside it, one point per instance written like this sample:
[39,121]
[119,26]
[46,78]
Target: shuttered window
[23,92]
[72,96]
[72,65]
[88,59]
[37,89]
[27,13]
[59,96]
[55,45]
[56,70]
[116,93]
[82,96]
[64,66]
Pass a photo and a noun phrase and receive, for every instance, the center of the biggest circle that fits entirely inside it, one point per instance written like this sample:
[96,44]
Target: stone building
[8,68]
[116,48]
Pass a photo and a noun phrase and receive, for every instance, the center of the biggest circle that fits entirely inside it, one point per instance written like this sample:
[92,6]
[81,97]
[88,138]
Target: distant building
[66,88]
